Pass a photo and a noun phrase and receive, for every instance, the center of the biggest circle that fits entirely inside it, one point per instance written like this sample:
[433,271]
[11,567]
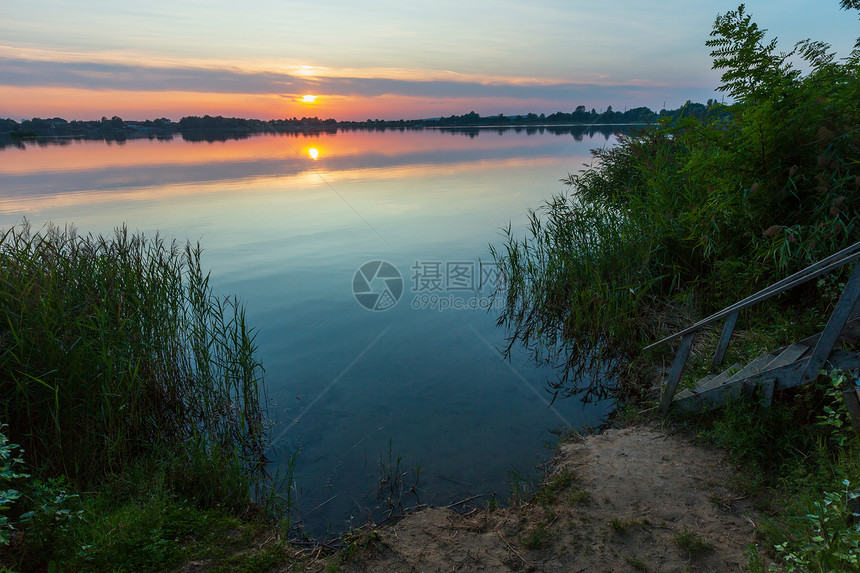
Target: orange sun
[309,99]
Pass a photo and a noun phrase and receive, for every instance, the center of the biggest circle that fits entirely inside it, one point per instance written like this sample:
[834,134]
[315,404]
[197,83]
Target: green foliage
[835,416]
[753,69]
[800,447]
[121,372]
[10,464]
[150,532]
[755,562]
[136,522]
[687,216]
[52,512]
[757,437]
[690,215]
[278,503]
[117,349]
[43,509]
[828,541]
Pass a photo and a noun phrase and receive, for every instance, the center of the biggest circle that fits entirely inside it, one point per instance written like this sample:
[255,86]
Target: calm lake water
[288,223]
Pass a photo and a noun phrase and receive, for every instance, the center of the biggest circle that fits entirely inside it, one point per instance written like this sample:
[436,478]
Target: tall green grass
[688,216]
[114,351]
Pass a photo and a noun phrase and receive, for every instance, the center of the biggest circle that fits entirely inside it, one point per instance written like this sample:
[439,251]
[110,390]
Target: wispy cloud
[103,74]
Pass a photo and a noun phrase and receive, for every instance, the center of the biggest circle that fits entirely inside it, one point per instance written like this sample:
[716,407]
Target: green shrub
[10,471]
[690,215]
[826,541]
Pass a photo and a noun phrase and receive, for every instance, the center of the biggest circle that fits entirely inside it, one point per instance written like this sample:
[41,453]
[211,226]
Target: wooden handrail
[815,270]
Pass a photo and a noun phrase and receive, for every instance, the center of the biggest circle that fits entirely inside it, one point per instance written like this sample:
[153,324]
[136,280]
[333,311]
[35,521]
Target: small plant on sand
[755,561]
[358,541]
[537,537]
[520,487]
[578,496]
[691,542]
[557,483]
[619,525]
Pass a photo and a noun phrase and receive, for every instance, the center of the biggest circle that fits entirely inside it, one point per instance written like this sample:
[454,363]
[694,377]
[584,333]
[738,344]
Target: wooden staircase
[787,367]
[765,375]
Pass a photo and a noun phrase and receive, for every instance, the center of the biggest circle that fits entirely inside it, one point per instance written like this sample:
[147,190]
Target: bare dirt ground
[634,499]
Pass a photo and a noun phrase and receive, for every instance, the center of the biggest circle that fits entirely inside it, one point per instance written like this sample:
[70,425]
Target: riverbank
[642,498]
[742,489]
[638,498]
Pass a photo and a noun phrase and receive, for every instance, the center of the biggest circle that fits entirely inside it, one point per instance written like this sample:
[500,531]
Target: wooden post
[675,374]
[726,335]
[765,389]
[852,401]
[837,321]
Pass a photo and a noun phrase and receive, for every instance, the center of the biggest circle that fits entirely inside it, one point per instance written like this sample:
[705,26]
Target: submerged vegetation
[688,216]
[130,395]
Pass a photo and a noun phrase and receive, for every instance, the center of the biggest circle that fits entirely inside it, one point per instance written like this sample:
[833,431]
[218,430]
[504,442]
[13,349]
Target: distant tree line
[209,128]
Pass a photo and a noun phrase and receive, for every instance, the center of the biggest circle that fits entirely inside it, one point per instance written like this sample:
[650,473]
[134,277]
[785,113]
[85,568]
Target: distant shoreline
[208,128]
[215,134]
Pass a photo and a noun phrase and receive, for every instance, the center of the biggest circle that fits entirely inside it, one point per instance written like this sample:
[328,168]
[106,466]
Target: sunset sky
[373,59]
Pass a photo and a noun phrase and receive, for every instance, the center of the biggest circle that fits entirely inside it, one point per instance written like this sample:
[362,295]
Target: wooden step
[788,356]
[783,369]
[753,368]
[850,333]
[731,374]
[719,379]
[782,378]
[687,392]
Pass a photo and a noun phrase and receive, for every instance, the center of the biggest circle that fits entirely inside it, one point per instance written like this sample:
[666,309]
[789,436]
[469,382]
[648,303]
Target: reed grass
[690,215]
[115,351]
